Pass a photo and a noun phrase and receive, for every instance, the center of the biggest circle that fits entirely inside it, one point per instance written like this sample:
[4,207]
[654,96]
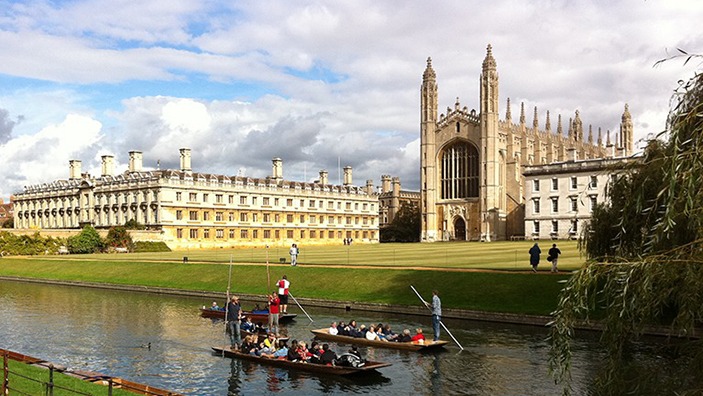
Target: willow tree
[645,250]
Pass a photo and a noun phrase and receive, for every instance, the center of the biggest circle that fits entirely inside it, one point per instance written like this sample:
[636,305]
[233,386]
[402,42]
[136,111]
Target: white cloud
[43,157]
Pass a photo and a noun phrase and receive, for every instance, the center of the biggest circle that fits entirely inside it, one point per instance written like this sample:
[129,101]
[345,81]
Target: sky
[319,84]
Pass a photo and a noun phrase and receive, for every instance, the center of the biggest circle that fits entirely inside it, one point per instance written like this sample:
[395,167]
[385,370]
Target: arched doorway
[459,229]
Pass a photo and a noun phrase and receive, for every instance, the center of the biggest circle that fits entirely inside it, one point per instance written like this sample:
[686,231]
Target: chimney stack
[108,165]
[369,187]
[185,160]
[324,175]
[74,169]
[347,175]
[135,161]
[277,169]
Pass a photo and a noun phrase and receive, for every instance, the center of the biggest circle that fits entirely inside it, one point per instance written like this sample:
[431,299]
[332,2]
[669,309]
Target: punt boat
[408,346]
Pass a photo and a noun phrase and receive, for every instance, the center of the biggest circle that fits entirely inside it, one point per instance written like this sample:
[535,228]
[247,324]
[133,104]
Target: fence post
[5,374]
[50,385]
[109,387]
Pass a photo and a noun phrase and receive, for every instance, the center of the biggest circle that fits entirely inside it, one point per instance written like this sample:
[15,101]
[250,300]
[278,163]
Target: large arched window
[459,171]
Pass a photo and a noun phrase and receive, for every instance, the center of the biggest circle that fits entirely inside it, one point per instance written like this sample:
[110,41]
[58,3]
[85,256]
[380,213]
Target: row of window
[219,233]
[195,215]
[593,183]
[573,230]
[266,201]
[573,204]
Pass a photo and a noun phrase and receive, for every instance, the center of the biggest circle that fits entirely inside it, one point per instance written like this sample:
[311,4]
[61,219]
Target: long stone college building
[200,210]
[472,182]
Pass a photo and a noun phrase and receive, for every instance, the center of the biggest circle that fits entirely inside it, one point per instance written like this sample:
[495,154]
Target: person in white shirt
[371,334]
[333,329]
[294,255]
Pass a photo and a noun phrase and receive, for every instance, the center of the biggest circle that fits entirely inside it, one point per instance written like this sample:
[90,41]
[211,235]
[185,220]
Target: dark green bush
[144,247]
[88,241]
[26,245]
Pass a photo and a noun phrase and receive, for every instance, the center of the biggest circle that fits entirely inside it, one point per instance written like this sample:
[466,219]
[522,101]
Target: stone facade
[472,186]
[201,210]
[392,198]
[561,196]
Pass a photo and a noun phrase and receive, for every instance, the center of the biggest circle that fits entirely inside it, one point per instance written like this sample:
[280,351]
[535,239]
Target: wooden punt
[307,367]
[255,317]
[408,346]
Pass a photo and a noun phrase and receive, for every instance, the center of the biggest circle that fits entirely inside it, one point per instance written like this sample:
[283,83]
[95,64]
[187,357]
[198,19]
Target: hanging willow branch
[646,249]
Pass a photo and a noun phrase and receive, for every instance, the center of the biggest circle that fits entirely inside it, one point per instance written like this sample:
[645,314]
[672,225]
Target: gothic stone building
[472,183]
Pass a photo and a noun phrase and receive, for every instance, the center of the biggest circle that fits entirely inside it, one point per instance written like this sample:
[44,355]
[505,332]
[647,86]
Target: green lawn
[494,255]
[323,274]
[31,380]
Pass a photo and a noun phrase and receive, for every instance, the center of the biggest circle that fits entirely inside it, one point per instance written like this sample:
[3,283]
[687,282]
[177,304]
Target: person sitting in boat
[333,329]
[282,351]
[248,325]
[362,331]
[352,330]
[342,329]
[418,338]
[406,337]
[389,334]
[371,334]
[355,351]
[305,355]
[249,345]
[328,356]
[215,307]
[293,354]
[316,351]
[268,346]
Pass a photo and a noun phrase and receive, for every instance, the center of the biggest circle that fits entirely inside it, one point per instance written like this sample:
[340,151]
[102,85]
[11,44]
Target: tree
[405,226]
[119,237]
[646,250]
[88,241]
[9,223]
[133,224]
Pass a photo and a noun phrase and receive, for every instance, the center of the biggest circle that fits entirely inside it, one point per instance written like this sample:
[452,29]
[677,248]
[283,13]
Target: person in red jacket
[418,337]
[274,310]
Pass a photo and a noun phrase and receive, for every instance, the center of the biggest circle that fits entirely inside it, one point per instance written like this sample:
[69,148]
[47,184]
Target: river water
[107,331]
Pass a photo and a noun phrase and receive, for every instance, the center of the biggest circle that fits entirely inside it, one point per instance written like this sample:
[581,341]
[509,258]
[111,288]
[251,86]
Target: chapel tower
[472,183]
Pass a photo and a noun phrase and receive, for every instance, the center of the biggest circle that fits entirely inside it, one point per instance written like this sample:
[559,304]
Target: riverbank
[346,305]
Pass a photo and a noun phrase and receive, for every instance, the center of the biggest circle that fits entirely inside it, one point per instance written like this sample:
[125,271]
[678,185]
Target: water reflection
[105,331]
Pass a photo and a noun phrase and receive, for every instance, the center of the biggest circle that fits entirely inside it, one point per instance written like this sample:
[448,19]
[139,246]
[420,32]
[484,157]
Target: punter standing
[234,317]
[274,309]
[436,313]
[283,286]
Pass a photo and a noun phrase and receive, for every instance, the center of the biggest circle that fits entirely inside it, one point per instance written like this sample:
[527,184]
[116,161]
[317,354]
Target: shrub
[88,241]
[26,245]
[119,237]
[143,247]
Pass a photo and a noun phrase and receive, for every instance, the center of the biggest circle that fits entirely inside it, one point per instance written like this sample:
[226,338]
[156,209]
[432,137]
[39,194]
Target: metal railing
[49,386]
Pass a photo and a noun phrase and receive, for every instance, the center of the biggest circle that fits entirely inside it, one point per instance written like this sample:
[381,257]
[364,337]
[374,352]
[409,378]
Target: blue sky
[314,83]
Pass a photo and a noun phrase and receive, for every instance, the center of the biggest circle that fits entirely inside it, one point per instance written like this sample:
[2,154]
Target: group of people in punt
[274,348]
[378,332]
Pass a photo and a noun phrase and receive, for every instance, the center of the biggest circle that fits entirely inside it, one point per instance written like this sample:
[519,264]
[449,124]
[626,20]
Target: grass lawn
[324,274]
[494,255]
[31,380]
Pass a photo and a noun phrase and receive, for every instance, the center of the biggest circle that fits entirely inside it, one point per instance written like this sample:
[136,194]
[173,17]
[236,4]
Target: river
[107,331]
